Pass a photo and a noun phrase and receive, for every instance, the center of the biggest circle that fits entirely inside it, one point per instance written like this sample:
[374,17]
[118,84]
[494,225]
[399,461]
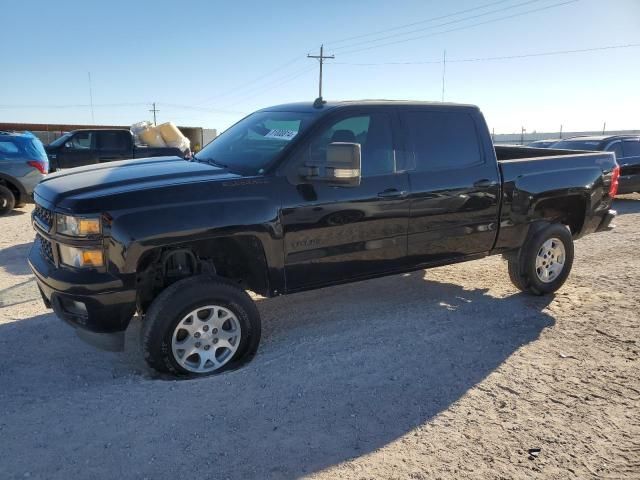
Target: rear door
[455,184]
[114,145]
[78,150]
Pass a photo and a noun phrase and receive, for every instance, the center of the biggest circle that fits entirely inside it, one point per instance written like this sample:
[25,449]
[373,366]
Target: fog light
[74,307]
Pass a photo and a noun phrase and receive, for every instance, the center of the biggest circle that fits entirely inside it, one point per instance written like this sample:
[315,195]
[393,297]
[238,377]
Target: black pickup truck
[87,147]
[296,197]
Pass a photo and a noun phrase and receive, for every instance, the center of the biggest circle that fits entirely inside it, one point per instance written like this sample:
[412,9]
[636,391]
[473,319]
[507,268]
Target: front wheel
[7,200]
[200,326]
[543,263]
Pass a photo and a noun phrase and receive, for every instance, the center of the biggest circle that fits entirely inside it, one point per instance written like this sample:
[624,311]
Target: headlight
[81,257]
[77,226]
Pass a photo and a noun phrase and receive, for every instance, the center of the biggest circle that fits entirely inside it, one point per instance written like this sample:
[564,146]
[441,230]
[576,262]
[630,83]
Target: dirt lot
[449,373]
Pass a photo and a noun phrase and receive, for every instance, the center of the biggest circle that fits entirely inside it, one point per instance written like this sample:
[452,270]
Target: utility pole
[321,59]
[560,130]
[444,70]
[522,130]
[93,121]
[154,110]
[604,127]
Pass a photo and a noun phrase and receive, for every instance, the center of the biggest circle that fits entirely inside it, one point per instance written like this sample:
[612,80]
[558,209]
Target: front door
[334,234]
[78,150]
[455,185]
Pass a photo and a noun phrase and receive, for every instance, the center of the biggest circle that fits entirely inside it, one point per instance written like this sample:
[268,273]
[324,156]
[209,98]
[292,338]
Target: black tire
[7,200]
[175,302]
[522,264]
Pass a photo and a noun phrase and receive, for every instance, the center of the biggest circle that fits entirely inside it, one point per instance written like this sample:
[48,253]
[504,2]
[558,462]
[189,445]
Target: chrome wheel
[550,260]
[206,339]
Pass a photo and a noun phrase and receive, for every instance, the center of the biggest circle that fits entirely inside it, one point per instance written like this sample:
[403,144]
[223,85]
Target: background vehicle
[543,143]
[298,197]
[86,147]
[626,148]
[23,163]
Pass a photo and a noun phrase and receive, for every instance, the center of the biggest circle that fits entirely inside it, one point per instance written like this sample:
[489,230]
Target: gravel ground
[448,373]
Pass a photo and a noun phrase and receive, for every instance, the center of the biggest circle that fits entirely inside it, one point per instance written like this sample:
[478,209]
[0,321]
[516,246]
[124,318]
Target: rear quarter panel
[530,181]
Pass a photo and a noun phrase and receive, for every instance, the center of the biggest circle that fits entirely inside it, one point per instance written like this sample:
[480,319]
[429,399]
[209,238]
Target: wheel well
[569,211]
[13,188]
[239,258]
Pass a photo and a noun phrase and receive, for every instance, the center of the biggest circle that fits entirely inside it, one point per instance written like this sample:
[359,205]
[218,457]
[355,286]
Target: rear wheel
[7,200]
[200,326]
[544,262]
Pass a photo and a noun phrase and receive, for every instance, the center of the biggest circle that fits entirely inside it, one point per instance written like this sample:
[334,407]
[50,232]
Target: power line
[81,105]
[461,28]
[283,66]
[202,109]
[464,19]
[400,27]
[272,86]
[503,57]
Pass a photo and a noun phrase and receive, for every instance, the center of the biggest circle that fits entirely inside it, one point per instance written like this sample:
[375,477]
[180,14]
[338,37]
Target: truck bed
[516,152]
[539,179]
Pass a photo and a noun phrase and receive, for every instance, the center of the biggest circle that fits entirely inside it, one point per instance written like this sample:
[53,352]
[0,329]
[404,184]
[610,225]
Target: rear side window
[8,148]
[112,140]
[442,140]
[631,148]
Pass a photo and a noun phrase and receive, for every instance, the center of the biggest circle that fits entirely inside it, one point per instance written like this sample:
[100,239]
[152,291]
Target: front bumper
[92,302]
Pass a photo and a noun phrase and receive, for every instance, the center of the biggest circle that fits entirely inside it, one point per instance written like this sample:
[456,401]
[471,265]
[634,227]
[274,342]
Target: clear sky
[207,63]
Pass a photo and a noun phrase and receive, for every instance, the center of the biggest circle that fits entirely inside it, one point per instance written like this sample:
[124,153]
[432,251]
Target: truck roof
[329,105]
[100,129]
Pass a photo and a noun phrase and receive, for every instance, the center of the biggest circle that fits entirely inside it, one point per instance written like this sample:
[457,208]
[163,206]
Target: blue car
[23,163]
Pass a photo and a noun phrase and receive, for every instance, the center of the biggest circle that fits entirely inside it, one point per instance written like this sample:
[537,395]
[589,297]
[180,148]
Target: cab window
[616,147]
[631,148]
[373,133]
[442,140]
[82,141]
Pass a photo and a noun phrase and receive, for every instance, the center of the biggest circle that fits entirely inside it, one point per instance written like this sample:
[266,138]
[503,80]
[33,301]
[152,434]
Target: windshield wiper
[210,161]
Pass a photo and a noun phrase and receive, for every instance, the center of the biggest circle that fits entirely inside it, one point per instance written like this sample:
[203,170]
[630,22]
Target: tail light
[615,180]
[41,166]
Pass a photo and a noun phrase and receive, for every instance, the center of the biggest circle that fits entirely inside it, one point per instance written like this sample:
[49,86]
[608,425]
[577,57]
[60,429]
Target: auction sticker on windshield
[281,134]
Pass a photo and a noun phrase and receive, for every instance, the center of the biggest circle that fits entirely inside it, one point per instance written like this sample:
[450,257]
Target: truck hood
[102,186]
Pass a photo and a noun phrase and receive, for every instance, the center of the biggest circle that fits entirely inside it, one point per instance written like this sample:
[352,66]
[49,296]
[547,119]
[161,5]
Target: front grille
[43,216]
[45,247]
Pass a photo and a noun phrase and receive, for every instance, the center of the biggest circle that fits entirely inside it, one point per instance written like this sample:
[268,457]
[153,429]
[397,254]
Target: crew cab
[626,148]
[87,147]
[296,197]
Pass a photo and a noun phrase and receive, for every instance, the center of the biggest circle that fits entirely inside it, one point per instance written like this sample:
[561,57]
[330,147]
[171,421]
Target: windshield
[60,140]
[579,145]
[253,143]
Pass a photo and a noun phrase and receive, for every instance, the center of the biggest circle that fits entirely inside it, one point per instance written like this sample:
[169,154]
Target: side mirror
[68,145]
[341,168]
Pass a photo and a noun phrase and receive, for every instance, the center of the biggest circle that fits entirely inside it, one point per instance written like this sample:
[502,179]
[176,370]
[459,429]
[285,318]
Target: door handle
[484,183]
[392,193]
